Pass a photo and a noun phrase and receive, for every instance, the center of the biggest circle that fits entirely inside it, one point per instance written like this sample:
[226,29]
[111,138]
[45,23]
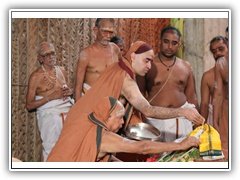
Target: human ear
[109,118]
[40,59]
[180,43]
[160,42]
[133,55]
[95,30]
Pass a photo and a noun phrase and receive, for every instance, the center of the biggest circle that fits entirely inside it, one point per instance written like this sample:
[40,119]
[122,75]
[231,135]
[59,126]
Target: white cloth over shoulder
[174,128]
[210,114]
[50,121]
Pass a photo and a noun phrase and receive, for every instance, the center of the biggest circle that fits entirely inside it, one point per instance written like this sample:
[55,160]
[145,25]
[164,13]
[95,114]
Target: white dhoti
[174,128]
[86,87]
[50,118]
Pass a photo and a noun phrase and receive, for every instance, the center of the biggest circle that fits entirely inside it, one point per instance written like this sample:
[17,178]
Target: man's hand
[67,91]
[189,142]
[193,115]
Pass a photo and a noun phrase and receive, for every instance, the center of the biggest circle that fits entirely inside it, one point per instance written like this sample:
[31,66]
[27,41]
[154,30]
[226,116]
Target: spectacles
[47,55]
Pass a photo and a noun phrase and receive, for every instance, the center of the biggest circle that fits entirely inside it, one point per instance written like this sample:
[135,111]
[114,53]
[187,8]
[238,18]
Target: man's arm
[112,143]
[31,103]
[132,93]
[80,74]
[217,96]
[205,96]
[190,90]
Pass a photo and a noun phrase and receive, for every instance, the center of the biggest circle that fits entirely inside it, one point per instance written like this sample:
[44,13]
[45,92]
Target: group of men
[160,87]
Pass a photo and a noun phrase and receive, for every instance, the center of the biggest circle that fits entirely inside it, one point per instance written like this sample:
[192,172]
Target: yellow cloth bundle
[210,144]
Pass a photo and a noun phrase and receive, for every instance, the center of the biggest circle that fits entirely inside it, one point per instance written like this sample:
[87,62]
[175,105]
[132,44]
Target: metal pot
[142,131]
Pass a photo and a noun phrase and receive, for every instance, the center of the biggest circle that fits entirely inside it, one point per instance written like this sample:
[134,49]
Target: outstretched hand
[189,142]
[193,115]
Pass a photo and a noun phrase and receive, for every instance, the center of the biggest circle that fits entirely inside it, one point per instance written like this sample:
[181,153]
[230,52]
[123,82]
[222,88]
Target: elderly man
[93,137]
[49,93]
[170,83]
[94,59]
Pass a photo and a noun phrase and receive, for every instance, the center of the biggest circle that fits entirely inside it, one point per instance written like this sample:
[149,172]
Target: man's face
[105,32]
[48,56]
[169,44]
[115,121]
[219,49]
[141,63]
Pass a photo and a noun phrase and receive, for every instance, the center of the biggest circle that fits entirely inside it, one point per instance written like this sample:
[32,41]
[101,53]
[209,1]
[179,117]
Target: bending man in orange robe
[95,139]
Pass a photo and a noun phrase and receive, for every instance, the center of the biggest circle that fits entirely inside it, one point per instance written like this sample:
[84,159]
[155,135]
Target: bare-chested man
[94,59]
[49,93]
[170,83]
[219,49]
[208,83]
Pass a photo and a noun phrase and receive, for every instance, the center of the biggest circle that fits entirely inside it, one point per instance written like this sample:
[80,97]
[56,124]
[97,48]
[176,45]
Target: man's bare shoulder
[114,46]
[37,74]
[184,62]
[208,75]
[87,50]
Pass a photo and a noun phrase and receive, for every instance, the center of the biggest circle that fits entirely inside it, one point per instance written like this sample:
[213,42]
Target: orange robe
[69,147]
[80,141]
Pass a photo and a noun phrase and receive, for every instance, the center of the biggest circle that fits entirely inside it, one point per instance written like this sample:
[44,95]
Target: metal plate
[143,131]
